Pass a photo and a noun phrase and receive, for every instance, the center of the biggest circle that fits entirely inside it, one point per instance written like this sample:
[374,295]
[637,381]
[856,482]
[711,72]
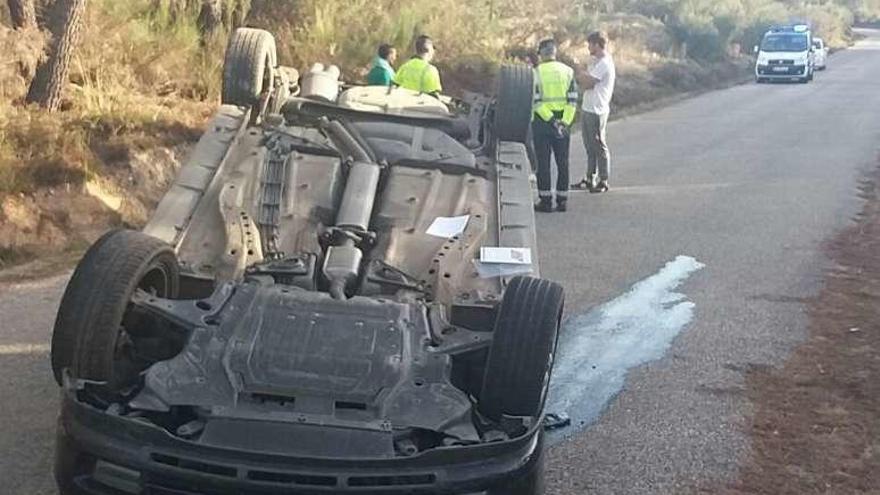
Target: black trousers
[547,144]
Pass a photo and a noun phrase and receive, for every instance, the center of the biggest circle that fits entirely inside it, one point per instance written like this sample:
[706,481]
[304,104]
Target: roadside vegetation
[144,77]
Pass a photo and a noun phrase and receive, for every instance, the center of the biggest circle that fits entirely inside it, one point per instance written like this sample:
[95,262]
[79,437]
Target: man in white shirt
[595,108]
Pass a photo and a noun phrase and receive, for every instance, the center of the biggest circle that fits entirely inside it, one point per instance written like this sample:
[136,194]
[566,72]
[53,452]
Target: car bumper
[776,72]
[102,454]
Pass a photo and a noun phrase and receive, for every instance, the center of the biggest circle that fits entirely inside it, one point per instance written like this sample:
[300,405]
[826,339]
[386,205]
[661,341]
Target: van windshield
[784,43]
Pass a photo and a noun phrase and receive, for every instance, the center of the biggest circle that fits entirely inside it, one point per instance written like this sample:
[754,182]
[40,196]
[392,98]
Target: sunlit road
[748,181]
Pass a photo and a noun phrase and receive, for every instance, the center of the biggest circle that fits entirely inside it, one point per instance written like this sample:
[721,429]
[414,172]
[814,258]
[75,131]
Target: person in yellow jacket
[418,74]
[555,106]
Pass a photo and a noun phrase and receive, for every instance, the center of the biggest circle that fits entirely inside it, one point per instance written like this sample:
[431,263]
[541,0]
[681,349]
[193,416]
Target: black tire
[88,328]
[531,483]
[513,108]
[523,347]
[760,80]
[249,65]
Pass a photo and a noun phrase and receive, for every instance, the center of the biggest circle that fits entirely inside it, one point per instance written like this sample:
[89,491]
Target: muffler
[342,261]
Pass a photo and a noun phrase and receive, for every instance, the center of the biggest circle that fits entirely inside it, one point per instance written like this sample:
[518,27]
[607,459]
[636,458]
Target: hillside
[146,78]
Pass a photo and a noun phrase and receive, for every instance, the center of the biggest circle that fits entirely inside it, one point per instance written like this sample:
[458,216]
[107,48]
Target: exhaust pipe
[343,259]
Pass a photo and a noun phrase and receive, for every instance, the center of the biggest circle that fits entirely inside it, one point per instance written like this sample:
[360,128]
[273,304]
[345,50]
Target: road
[733,192]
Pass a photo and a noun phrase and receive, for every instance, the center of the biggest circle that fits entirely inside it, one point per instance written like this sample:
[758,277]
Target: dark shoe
[583,185]
[601,187]
[544,205]
[561,205]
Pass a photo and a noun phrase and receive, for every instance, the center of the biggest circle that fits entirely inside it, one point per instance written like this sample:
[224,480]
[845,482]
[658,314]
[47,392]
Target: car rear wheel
[248,68]
[96,334]
[523,346]
[513,108]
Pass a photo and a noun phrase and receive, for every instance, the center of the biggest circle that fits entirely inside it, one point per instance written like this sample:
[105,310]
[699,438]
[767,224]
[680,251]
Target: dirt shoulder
[817,422]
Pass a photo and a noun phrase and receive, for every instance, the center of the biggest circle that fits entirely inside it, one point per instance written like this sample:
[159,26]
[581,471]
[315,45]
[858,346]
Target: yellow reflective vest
[418,75]
[555,91]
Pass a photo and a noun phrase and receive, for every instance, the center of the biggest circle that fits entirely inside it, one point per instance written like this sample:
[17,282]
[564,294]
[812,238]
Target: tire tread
[96,299]
[525,336]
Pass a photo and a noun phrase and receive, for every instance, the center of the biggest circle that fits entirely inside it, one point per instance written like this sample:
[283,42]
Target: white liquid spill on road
[598,348]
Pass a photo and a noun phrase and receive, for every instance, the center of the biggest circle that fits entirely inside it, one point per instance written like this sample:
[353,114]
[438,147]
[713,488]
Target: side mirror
[755,49]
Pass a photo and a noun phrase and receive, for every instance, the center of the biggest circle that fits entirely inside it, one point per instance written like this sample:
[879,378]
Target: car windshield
[784,43]
[817,45]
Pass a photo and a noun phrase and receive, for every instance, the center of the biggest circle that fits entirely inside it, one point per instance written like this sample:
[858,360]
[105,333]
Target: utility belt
[557,114]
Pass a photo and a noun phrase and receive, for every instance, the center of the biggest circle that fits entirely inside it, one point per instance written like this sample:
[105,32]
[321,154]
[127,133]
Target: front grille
[193,465]
[400,480]
[782,62]
[275,478]
[291,479]
[159,490]
[774,70]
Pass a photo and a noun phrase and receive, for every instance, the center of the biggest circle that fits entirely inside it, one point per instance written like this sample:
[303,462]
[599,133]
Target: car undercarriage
[287,322]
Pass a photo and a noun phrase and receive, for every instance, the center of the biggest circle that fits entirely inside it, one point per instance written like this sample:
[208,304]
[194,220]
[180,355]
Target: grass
[136,83]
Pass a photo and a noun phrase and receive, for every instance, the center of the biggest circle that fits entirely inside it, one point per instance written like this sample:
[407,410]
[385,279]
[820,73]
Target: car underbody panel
[310,333]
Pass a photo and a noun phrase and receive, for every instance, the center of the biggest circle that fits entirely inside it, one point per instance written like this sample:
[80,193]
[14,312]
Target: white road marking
[23,349]
[598,348]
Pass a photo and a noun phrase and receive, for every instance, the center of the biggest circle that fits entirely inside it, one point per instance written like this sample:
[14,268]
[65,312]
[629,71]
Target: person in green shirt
[382,71]
[418,74]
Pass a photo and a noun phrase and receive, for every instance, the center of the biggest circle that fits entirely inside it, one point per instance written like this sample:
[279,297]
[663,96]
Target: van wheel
[523,346]
[95,334]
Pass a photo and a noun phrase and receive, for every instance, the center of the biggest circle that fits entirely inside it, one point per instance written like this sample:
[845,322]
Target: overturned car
[292,321]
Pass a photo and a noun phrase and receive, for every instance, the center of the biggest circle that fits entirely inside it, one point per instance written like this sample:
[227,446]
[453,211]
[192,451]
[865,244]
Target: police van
[785,53]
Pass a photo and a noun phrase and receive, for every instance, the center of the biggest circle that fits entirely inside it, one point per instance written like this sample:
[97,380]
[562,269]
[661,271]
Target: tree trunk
[51,78]
[210,17]
[22,13]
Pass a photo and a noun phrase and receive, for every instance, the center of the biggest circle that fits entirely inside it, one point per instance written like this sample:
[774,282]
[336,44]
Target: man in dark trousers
[555,106]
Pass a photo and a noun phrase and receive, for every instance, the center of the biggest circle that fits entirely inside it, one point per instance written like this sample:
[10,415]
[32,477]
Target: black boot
[561,204]
[544,205]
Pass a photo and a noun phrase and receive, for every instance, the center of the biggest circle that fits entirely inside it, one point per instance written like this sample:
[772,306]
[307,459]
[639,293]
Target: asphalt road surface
[736,188]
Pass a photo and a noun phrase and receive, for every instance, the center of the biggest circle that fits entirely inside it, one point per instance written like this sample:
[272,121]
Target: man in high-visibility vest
[555,106]
[418,74]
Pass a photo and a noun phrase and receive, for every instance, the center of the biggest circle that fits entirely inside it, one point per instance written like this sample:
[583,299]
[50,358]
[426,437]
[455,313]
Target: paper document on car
[448,226]
[506,255]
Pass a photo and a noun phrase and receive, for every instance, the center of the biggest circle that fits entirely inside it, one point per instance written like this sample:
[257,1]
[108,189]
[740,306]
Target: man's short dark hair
[385,50]
[547,48]
[598,38]
[422,44]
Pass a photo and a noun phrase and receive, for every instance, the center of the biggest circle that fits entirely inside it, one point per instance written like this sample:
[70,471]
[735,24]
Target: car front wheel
[97,336]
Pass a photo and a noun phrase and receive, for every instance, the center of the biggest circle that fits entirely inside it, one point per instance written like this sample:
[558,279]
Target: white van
[785,53]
